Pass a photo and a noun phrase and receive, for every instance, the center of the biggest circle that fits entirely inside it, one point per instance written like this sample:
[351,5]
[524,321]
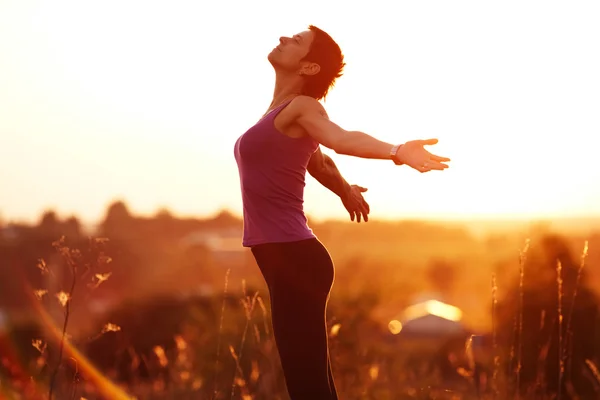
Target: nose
[282,40]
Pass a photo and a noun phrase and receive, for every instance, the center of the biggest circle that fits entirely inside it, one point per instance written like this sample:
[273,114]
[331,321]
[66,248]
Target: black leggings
[299,276]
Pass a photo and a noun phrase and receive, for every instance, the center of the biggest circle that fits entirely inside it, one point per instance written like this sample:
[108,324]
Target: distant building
[429,319]
[224,245]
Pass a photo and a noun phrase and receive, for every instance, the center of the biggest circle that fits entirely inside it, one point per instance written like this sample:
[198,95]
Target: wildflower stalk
[72,266]
[216,390]
[522,259]
[561,360]
[572,308]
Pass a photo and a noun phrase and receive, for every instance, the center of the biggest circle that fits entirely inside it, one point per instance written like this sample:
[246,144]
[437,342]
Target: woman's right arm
[312,117]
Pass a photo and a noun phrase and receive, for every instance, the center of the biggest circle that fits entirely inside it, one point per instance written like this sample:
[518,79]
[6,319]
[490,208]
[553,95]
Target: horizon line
[458,218]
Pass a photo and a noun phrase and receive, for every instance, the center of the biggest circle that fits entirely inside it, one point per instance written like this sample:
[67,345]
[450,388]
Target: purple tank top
[272,168]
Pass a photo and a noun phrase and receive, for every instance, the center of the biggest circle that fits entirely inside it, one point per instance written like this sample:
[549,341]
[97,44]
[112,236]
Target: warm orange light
[395,326]
[335,329]
[105,386]
[108,102]
[433,307]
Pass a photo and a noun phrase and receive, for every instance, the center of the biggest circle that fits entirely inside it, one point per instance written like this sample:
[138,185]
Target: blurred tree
[165,224]
[72,228]
[117,221]
[49,225]
[224,220]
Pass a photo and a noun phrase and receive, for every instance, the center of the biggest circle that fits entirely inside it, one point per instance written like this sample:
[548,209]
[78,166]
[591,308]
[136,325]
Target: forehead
[305,36]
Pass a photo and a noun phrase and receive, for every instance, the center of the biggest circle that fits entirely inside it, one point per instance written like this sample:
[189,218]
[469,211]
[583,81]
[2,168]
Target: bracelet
[393,153]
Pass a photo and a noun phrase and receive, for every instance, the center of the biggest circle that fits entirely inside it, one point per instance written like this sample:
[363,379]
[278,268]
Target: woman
[273,157]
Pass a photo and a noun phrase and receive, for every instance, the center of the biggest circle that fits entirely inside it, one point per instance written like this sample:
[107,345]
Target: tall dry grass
[375,375]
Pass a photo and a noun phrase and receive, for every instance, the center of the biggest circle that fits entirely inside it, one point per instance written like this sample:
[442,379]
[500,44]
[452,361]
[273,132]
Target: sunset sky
[143,101]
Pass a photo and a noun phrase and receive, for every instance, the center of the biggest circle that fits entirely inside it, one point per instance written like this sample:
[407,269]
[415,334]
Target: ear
[309,69]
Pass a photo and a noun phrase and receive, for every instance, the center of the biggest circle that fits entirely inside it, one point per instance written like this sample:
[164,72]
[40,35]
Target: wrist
[394,154]
[345,189]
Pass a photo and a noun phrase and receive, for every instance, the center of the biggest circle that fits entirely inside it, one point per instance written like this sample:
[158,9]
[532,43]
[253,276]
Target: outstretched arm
[323,169]
[311,116]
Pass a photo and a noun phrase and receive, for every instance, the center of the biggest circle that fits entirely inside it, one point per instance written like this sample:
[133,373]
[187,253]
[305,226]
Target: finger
[428,142]
[439,158]
[352,216]
[366,205]
[432,165]
[366,217]
[358,217]
[362,213]
[436,165]
[362,189]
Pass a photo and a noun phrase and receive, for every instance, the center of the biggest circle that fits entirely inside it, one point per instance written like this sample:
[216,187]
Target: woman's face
[291,51]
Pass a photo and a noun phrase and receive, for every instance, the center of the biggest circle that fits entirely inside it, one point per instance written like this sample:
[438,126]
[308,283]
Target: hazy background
[118,120]
[144,100]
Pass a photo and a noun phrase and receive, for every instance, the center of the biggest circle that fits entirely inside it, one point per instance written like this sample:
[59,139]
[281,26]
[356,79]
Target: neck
[286,86]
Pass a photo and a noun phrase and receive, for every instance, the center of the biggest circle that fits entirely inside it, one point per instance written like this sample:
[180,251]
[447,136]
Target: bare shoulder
[311,117]
[304,106]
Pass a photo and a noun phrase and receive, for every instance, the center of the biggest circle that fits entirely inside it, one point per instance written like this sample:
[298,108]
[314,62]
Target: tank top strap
[273,113]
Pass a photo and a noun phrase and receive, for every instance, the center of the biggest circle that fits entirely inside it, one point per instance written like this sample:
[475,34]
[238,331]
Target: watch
[393,153]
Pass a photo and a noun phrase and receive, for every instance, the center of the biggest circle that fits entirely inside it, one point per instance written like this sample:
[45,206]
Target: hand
[415,156]
[355,203]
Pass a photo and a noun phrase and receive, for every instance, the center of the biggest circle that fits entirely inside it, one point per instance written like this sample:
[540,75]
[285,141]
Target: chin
[271,57]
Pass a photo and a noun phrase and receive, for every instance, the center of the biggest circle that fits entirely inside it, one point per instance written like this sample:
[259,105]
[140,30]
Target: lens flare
[105,386]
[395,326]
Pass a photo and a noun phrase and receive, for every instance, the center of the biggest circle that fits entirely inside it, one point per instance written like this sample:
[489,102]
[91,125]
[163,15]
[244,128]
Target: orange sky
[144,102]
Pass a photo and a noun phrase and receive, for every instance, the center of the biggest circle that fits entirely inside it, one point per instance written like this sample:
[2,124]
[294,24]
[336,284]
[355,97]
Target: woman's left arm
[323,169]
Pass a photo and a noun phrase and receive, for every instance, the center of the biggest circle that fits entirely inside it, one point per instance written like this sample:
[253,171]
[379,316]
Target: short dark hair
[325,52]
